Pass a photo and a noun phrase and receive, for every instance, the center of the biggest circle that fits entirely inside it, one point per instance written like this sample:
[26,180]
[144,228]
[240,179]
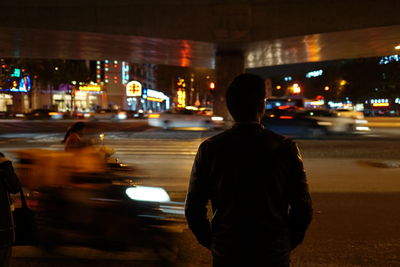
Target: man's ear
[261,109]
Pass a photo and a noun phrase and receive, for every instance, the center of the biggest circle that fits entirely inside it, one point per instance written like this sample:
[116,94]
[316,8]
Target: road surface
[355,185]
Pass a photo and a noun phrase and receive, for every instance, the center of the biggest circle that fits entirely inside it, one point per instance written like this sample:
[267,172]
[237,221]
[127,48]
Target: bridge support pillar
[229,64]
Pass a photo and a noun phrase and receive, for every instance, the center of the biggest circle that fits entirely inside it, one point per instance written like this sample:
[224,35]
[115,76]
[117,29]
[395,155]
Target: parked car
[44,114]
[184,118]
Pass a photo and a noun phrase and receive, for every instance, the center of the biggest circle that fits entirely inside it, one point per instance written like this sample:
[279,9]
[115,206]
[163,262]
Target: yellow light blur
[317,103]
[90,88]
[278,87]
[296,88]
[380,104]
[397,47]
[343,82]
[326,88]
[154,116]
[181,99]
[155,99]
[81,93]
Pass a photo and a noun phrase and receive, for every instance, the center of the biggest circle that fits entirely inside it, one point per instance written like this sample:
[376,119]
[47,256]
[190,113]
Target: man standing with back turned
[256,183]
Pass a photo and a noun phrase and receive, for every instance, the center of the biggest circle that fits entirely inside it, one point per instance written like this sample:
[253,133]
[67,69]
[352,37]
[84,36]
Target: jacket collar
[247,125]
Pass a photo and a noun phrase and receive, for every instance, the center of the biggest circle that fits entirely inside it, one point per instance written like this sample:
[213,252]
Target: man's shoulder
[273,139]
[215,139]
[266,135]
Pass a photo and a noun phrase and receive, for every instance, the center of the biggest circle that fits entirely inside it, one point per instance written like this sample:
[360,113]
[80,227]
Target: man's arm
[197,198]
[300,211]
[9,178]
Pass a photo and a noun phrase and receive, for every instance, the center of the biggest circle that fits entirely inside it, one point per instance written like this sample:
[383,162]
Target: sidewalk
[352,175]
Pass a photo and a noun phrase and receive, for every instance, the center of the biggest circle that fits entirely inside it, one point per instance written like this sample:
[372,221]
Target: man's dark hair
[244,96]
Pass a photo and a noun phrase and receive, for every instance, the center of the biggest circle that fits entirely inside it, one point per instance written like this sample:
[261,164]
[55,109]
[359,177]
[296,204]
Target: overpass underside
[36,43]
[226,35]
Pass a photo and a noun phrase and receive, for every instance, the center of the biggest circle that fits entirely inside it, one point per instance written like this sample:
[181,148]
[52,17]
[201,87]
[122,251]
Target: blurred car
[311,122]
[83,114]
[109,114]
[11,115]
[44,114]
[184,118]
[350,114]
[135,114]
[334,123]
[287,123]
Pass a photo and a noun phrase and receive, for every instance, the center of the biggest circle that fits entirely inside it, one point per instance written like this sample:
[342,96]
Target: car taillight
[286,117]
[154,116]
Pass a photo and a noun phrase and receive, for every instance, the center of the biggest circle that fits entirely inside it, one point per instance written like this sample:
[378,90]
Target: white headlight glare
[361,121]
[324,123]
[122,116]
[217,118]
[147,193]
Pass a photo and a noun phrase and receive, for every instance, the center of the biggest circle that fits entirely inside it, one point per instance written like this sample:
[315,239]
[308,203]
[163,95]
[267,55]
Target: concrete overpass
[226,35]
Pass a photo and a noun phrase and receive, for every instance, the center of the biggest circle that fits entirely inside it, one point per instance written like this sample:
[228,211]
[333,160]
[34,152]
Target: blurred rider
[73,139]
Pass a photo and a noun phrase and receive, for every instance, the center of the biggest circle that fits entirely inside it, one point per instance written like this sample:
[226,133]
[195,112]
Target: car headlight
[217,118]
[147,193]
[324,123]
[122,116]
[361,121]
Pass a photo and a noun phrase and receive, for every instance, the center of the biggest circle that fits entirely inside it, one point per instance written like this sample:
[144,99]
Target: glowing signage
[155,94]
[296,88]
[90,88]
[134,88]
[24,85]
[181,98]
[388,59]
[315,73]
[17,73]
[125,72]
[380,104]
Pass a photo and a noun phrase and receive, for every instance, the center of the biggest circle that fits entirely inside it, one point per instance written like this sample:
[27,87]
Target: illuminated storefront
[5,101]
[153,100]
[86,98]
[140,98]
[15,99]
[133,95]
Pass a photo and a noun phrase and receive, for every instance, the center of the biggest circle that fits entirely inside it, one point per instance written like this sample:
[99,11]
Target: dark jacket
[258,191]
[9,183]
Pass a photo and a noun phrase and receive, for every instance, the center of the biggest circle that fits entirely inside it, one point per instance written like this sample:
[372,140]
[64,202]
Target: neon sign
[134,88]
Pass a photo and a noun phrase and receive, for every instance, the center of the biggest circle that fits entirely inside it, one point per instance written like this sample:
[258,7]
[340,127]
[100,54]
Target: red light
[286,117]
[284,107]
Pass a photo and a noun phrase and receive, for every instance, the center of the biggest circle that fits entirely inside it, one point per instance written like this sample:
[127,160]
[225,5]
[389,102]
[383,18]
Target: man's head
[245,97]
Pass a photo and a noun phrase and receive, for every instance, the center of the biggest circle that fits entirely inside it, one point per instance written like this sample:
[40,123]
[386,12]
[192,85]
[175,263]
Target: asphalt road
[355,185]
